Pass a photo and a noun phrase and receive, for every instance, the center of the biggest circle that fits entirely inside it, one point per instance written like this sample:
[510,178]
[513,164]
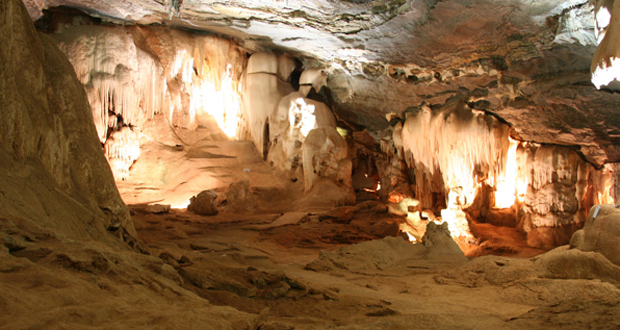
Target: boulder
[157,208]
[601,233]
[238,198]
[203,203]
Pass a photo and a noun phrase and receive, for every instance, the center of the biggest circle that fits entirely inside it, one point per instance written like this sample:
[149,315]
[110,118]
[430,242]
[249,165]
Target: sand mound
[390,253]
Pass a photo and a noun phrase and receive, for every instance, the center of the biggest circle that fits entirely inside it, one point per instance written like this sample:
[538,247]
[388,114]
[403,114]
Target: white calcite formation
[263,90]
[151,83]
[120,78]
[133,74]
[280,119]
[466,159]
[290,123]
[606,62]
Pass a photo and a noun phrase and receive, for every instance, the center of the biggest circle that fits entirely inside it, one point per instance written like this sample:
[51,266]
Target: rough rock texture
[601,233]
[390,252]
[324,153]
[54,172]
[468,157]
[398,30]
[480,79]
[237,198]
[561,188]
[204,203]
[525,61]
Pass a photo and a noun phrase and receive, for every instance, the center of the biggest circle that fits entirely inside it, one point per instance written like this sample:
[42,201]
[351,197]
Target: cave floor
[259,271]
[256,265]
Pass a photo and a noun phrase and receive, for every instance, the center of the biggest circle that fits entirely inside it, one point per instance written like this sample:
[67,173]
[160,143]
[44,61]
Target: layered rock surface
[54,172]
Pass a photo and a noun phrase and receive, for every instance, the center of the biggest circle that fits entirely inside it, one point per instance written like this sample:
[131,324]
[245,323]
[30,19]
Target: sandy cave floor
[286,266]
[257,260]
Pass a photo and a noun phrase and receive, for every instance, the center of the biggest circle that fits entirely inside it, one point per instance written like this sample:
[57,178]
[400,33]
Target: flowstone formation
[470,159]
[152,83]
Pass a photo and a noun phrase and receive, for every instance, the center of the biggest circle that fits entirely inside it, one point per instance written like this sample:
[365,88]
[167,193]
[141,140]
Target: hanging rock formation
[153,83]
[605,72]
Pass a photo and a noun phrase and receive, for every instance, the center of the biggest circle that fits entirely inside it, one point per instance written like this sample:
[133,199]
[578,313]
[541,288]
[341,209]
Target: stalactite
[461,148]
[132,74]
[470,157]
[119,78]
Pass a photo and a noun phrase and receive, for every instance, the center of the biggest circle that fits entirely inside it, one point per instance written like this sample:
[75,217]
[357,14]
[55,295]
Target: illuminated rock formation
[324,156]
[263,90]
[465,159]
[605,64]
[133,74]
[447,112]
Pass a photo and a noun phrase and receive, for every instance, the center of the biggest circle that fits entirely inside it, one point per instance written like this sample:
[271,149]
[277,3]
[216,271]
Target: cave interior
[319,164]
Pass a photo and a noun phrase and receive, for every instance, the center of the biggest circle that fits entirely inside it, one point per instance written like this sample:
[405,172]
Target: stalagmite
[289,125]
[263,91]
[323,151]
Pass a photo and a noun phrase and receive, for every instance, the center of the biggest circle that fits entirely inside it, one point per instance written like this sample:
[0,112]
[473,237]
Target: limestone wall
[53,173]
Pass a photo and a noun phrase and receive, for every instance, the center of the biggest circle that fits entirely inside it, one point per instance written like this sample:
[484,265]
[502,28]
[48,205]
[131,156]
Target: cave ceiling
[524,61]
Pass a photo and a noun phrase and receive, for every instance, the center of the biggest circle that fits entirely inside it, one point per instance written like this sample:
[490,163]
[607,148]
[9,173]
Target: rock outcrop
[54,174]
[601,233]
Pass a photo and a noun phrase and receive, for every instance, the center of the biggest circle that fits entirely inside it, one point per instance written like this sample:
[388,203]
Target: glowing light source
[506,185]
[522,184]
[301,116]
[410,237]
[223,103]
[181,205]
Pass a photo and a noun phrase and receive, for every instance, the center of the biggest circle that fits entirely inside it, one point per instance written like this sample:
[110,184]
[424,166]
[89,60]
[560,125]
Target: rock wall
[561,189]
[54,175]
